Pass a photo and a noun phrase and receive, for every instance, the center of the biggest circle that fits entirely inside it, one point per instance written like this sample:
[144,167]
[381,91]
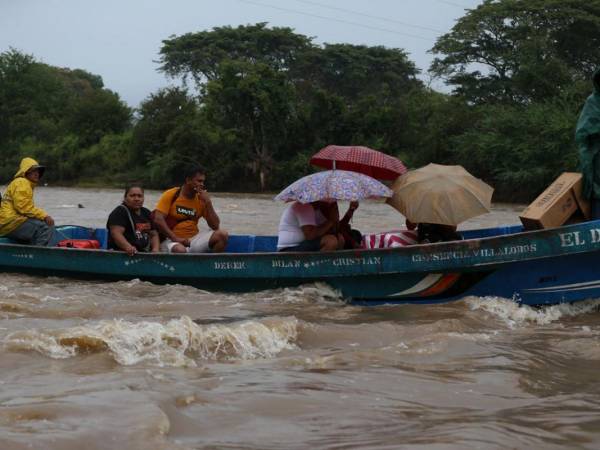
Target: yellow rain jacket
[17,202]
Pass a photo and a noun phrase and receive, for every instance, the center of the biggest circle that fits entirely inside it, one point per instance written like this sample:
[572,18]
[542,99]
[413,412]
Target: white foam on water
[133,283]
[515,314]
[313,292]
[177,343]
[475,337]
[42,343]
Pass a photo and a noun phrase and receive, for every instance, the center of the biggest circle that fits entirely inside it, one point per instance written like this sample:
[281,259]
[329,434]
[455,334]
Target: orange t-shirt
[183,212]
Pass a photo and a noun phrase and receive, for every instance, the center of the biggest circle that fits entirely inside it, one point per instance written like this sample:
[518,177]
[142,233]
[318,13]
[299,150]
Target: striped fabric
[389,239]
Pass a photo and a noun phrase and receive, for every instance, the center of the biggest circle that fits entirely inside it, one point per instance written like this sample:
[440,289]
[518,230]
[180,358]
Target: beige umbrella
[441,194]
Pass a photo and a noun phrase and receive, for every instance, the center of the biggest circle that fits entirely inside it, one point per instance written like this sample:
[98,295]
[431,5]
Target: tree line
[257,101]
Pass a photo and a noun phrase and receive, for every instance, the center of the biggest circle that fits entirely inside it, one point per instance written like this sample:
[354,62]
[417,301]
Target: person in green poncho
[587,136]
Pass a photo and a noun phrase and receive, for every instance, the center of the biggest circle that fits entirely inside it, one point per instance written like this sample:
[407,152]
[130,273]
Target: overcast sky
[120,39]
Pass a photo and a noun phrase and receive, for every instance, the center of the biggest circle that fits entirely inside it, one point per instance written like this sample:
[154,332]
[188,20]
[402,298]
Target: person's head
[134,197]
[194,178]
[34,174]
[30,169]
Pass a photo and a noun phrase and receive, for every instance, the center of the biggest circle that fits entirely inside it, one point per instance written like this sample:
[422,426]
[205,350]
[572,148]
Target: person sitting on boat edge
[20,219]
[309,227]
[177,214]
[130,225]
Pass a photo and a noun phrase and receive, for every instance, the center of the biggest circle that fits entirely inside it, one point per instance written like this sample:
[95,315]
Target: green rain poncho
[587,136]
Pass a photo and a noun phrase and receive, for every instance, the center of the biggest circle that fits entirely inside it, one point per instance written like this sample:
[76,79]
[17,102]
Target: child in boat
[130,224]
[20,219]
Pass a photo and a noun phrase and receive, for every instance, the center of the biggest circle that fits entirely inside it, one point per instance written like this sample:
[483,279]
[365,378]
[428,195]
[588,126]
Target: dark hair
[192,171]
[131,186]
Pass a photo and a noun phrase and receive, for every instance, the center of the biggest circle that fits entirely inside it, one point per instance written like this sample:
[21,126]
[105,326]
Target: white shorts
[198,244]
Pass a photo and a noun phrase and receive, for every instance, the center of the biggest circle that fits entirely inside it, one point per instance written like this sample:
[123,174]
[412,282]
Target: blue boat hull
[534,268]
[540,282]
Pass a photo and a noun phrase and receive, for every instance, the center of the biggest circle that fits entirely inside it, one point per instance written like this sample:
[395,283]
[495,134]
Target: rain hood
[28,164]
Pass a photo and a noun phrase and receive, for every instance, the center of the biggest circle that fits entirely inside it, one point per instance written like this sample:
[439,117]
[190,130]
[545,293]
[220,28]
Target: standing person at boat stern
[20,219]
[587,136]
[177,214]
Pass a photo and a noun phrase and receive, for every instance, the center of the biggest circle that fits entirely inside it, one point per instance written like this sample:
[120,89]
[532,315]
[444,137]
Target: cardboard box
[556,204]
[585,207]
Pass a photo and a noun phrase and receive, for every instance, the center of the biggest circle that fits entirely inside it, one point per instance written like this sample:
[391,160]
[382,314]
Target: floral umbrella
[334,185]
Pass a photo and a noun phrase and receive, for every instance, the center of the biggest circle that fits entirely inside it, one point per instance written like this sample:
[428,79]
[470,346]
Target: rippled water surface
[132,365]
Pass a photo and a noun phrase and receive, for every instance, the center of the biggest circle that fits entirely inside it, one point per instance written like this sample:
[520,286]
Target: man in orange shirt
[178,211]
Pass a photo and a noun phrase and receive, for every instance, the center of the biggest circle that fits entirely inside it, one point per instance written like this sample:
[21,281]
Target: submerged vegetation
[258,101]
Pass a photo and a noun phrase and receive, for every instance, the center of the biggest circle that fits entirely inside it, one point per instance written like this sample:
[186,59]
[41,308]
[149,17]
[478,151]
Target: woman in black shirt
[130,225]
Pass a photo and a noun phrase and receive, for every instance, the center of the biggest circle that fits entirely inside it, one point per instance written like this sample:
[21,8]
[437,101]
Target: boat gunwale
[415,248]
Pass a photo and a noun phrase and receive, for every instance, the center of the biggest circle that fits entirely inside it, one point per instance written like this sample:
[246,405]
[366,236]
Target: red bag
[79,243]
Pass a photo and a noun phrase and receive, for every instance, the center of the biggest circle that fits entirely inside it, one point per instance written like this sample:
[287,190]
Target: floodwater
[132,365]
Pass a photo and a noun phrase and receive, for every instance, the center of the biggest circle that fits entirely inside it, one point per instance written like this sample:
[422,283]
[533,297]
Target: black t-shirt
[142,222]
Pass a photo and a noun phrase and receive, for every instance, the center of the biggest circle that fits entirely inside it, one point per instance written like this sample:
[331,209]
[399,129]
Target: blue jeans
[34,232]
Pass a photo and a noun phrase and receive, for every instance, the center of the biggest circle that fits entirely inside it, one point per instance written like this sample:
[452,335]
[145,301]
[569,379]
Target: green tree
[200,55]
[281,97]
[255,103]
[159,115]
[97,114]
[520,149]
[109,161]
[518,51]
[353,71]
[432,121]
[53,114]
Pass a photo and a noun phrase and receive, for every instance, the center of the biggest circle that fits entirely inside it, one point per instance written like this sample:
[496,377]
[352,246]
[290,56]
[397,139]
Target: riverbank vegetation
[257,101]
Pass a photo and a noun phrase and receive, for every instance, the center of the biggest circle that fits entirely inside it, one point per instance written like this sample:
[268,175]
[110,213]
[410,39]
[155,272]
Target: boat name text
[510,250]
[230,265]
[336,262]
[575,238]
[361,260]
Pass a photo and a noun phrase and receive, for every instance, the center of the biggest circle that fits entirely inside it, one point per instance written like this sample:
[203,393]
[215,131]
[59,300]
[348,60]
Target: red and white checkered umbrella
[359,159]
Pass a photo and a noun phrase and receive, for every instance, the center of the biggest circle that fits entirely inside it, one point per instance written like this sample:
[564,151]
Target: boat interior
[246,243]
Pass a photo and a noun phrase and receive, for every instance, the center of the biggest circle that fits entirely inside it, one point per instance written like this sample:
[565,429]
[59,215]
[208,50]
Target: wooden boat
[534,268]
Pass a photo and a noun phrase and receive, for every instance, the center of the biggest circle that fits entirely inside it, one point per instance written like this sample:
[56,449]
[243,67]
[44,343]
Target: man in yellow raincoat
[20,219]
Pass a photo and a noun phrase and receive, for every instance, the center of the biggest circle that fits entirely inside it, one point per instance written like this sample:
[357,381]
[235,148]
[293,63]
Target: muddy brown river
[133,365]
